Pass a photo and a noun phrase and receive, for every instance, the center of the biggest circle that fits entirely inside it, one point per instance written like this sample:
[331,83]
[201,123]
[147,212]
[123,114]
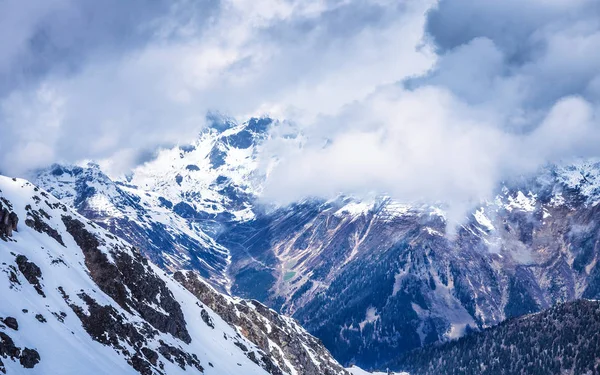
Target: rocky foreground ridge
[77,299]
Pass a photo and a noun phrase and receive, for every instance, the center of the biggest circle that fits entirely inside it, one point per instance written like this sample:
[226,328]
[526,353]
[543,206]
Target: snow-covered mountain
[370,279]
[213,178]
[77,299]
[145,219]
[172,207]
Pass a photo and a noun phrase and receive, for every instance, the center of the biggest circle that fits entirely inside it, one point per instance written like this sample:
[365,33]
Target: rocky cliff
[290,346]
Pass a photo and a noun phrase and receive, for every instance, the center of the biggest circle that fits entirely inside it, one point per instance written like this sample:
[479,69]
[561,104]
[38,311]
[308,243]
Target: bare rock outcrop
[284,341]
[8,222]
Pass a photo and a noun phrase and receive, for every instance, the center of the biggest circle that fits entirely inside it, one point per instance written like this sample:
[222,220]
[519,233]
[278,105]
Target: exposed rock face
[31,272]
[27,357]
[376,281]
[130,281]
[40,318]
[8,221]
[35,220]
[107,308]
[283,339]
[106,325]
[11,323]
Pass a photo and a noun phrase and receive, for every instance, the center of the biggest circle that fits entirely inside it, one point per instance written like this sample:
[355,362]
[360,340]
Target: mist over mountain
[370,278]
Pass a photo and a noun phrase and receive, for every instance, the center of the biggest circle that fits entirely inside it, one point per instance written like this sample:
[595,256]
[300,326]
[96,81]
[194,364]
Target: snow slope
[172,206]
[143,218]
[87,302]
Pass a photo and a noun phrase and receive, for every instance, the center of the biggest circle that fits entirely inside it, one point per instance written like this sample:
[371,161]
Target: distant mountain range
[371,279]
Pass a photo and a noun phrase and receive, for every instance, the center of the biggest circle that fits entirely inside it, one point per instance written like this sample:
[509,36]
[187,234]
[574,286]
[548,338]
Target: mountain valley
[371,279]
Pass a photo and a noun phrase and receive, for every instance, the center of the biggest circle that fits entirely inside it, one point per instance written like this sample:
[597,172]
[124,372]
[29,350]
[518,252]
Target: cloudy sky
[419,99]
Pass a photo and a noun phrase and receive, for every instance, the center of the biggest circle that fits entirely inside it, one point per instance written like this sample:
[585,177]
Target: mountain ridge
[78,299]
[372,278]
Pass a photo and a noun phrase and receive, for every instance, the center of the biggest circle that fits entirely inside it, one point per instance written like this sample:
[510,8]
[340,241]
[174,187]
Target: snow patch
[483,220]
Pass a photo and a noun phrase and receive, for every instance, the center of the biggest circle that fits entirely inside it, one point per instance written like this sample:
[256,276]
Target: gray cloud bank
[420,100]
[112,80]
[515,85]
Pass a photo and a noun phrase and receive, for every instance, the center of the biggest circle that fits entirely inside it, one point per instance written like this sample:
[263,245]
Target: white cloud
[426,145]
[514,87]
[424,104]
[295,58]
